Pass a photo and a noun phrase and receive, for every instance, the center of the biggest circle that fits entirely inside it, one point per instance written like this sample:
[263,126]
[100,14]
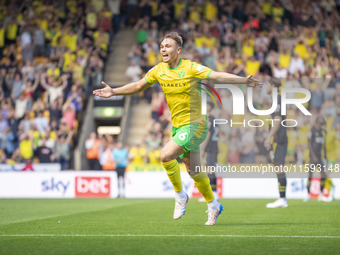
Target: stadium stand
[51,54]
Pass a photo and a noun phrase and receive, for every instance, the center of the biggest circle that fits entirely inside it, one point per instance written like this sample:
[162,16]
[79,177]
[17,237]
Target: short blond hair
[174,36]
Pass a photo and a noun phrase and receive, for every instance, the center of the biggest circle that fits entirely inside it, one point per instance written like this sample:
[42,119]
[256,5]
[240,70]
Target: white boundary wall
[58,185]
[74,184]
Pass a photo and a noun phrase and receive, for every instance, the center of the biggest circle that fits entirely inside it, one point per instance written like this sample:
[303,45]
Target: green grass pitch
[145,226]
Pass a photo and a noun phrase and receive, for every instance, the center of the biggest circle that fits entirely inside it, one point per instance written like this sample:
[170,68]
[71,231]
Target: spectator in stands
[153,141]
[62,150]
[28,53]
[106,155]
[136,54]
[28,70]
[50,137]
[248,145]
[52,87]
[69,113]
[141,29]
[55,111]
[3,124]
[3,157]
[234,153]
[17,86]
[75,97]
[44,153]
[120,156]
[92,145]
[62,130]
[21,106]
[35,134]
[137,154]
[38,105]
[29,88]
[317,96]
[39,41]
[13,122]
[91,18]
[26,146]
[296,64]
[132,7]
[26,123]
[133,72]
[5,87]
[8,142]
[278,71]
[154,156]
[153,33]
[41,122]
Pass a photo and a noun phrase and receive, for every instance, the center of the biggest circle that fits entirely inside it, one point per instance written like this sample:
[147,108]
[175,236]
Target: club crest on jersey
[181,74]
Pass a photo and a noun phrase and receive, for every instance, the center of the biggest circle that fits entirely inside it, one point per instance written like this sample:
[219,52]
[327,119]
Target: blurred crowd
[296,41]
[51,54]
[104,153]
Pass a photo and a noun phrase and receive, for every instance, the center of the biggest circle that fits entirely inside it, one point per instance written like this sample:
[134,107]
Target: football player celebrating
[180,82]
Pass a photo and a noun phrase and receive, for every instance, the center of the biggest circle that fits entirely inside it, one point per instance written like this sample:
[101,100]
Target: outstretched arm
[129,89]
[234,79]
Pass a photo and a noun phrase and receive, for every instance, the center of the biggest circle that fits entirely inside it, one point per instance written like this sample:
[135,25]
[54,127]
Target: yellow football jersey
[284,60]
[138,155]
[181,88]
[154,157]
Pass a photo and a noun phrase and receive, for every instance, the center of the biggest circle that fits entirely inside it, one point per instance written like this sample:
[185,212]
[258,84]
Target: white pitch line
[150,235]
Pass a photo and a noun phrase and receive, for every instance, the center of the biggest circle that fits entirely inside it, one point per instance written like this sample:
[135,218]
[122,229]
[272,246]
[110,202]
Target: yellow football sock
[174,173]
[202,183]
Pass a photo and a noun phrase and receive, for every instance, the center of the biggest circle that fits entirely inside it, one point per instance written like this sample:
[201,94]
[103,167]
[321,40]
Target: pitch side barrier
[146,184]
[63,184]
[40,167]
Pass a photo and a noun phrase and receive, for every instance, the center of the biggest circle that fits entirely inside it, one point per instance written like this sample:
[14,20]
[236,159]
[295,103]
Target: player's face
[169,50]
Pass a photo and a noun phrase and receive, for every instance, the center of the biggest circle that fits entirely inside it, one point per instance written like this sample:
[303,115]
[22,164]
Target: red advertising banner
[92,186]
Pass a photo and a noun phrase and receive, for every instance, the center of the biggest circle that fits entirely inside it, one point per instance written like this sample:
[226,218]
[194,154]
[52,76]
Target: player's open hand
[253,82]
[106,92]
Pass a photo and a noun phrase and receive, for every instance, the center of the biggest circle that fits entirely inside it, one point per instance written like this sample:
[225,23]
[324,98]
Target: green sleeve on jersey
[209,74]
[147,80]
